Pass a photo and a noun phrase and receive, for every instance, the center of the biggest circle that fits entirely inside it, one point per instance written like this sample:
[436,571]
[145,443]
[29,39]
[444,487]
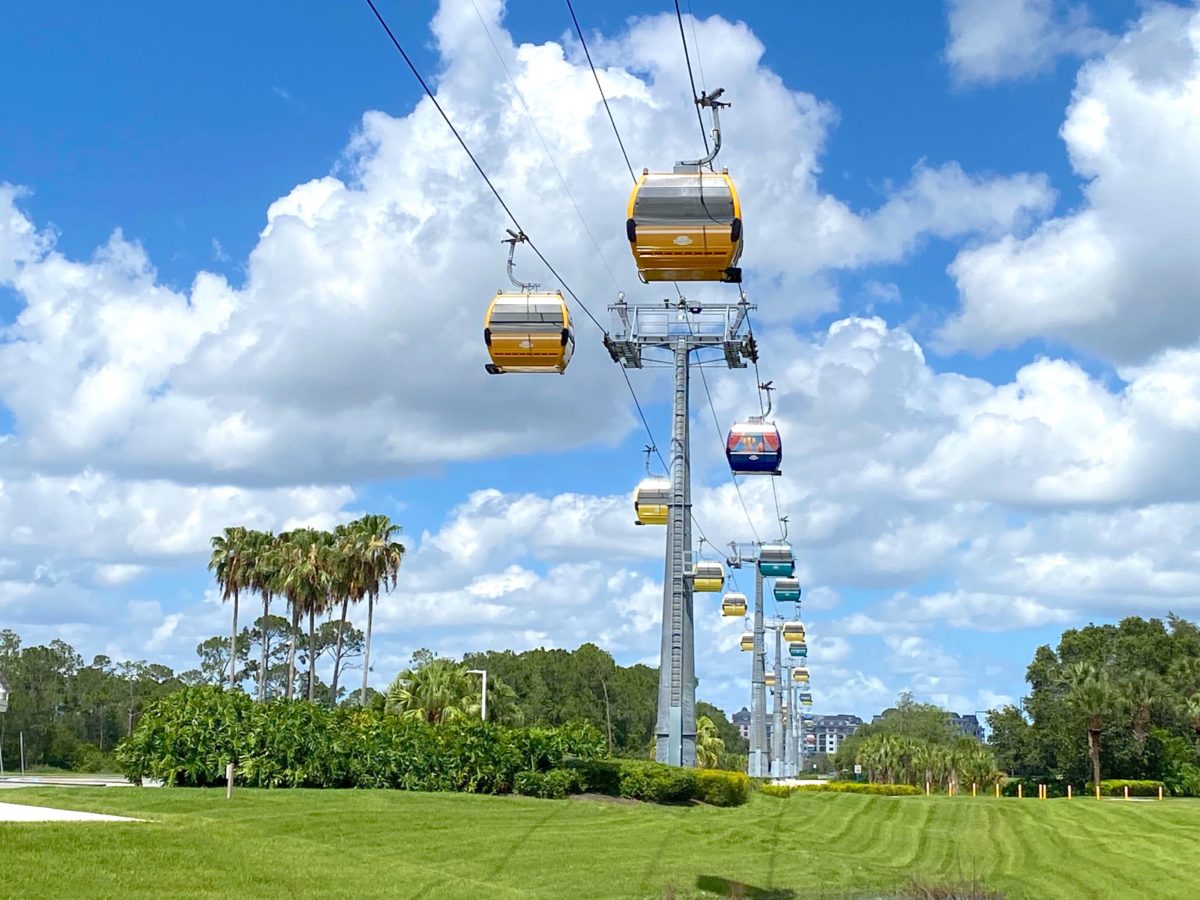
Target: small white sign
[857,769]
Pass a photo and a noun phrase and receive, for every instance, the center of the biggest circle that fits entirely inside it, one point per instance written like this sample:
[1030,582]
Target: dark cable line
[579,31]
[446,118]
[687,58]
[479,168]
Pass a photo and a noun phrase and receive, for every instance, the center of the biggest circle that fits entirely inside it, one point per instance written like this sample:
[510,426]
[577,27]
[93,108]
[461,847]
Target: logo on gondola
[682,241]
[526,344]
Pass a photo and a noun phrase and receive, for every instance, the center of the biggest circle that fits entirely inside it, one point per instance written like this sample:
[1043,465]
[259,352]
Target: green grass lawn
[292,843]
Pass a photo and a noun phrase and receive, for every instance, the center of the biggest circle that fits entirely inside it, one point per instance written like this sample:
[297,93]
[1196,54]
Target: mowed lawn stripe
[391,843]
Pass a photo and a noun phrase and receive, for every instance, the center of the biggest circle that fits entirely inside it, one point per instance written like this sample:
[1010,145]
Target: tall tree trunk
[367,649]
[291,685]
[312,654]
[337,654]
[233,644]
[1094,752]
[262,675]
[607,716]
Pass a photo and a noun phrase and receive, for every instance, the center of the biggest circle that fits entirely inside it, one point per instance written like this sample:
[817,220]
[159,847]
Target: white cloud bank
[1118,276]
[999,40]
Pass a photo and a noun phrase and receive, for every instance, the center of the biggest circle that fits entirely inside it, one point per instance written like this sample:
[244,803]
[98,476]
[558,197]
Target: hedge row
[842,787]
[187,738]
[1115,787]
[660,783]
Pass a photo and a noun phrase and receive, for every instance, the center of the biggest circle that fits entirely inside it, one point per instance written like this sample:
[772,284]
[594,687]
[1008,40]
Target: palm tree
[345,585]
[1185,675]
[439,691]
[709,746]
[380,555]
[228,563]
[260,563]
[302,575]
[1143,690]
[1191,709]
[1092,694]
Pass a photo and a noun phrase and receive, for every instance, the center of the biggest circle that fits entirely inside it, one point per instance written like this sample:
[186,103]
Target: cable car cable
[550,156]
[758,378]
[579,31]
[678,291]
[446,118]
[429,93]
[720,436]
[696,44]
[688,59]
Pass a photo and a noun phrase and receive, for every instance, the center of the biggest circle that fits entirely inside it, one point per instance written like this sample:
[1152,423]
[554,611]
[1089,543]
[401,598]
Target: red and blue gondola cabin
[754,447]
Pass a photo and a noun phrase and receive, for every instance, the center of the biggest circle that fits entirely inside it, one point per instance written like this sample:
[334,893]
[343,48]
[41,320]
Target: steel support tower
[777,710]
[681,330]
[758,757]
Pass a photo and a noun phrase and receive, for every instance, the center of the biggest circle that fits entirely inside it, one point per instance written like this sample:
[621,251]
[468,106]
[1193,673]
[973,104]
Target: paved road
[20,781]
[16,812]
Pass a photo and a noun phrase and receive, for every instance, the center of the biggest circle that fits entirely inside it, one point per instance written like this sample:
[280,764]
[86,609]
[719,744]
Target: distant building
[831,731]
[968,725]
[742,720]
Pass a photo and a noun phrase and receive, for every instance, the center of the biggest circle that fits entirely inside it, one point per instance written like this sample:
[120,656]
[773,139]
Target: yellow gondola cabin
[733,604]
[685,225]
[651,501]
[528,332]
[709,577]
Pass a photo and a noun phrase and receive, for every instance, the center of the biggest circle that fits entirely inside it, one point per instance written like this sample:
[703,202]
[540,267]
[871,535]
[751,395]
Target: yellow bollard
[1097,792]
[1068,792]
[1126,792]
[972,789]
[927,789]
[997,790]
[1020,792]
[1160,792]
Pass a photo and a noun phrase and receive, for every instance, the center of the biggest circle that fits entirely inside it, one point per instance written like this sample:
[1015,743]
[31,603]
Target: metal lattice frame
[682,330]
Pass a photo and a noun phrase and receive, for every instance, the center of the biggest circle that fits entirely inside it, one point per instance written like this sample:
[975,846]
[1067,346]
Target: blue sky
[964,233]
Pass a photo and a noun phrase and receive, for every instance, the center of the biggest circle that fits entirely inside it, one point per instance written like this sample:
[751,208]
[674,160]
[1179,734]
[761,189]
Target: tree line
[1121,700]
[73,714]
[917,743]
[315,573]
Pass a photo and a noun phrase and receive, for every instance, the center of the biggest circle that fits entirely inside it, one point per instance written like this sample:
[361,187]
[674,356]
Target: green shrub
[1115,787]
[552,785]
[859,787]
[657,783]
[598,776]
[1184,781]
[187,738]
[721,788]
[775,790]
